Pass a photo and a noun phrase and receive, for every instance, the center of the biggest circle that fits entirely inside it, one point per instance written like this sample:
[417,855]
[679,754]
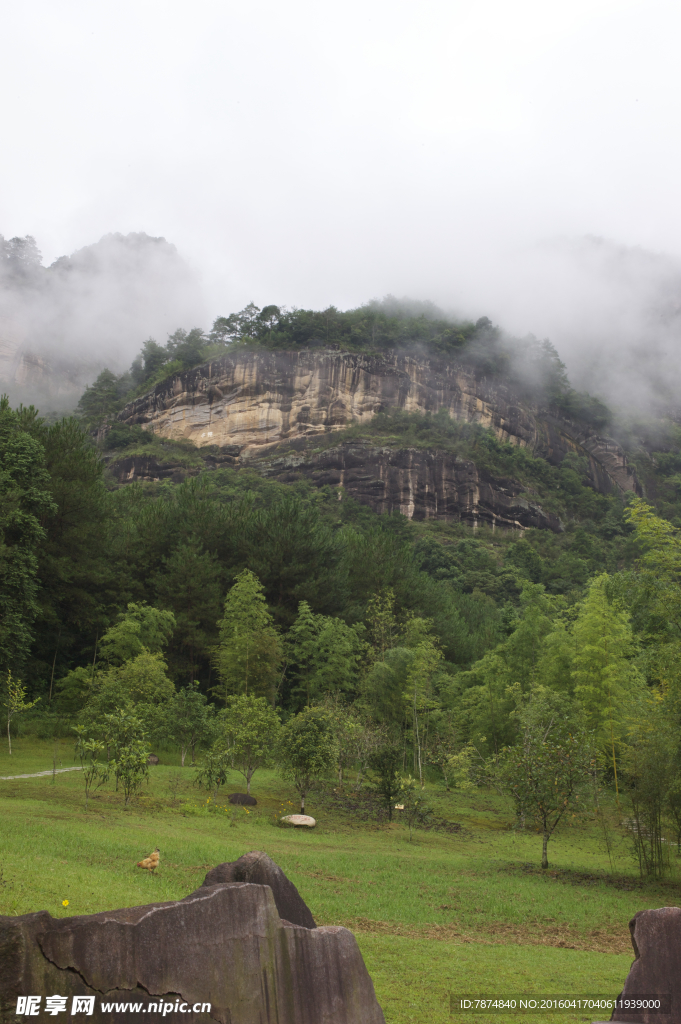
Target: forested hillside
[439,638]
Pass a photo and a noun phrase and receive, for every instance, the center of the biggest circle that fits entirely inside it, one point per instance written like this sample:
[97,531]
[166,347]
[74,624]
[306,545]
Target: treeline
[531,366]
[448,657]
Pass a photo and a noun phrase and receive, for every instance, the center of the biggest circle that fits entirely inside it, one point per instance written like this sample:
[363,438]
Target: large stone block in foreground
[656,971]
[226,945]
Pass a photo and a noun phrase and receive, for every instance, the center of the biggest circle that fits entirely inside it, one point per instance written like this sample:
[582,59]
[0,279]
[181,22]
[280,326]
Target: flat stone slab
[301,820]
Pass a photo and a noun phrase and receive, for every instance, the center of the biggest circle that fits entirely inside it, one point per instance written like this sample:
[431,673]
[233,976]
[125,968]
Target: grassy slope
[458,912]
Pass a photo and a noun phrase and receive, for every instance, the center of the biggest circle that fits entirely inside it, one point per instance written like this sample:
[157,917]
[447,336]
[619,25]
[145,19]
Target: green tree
[415,810]
[419,695]
[323,654]
[187,719]
[88,751]
[546,771]
[214,770]
[24,503]
[131,767]
[251,729]
[189,585]
[605,681]
[249,652]
[307,749]
[381,623]
[74,690]
[139,628]
[387,764]
[14,702]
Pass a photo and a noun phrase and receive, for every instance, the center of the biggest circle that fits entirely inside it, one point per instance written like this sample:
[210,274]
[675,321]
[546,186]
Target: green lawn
[467,913]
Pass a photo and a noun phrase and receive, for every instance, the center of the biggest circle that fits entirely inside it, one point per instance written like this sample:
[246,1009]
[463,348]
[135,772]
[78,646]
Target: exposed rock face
[656,971]
[257,399]
[268,410]
[226,945]
[421,484]
[258,868]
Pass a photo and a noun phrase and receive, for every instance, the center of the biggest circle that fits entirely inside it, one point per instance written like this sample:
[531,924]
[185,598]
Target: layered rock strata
[421,484]
[253,400]
[225,945]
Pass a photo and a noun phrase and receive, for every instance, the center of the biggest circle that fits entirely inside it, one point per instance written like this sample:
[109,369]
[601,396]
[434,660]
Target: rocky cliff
[268,408]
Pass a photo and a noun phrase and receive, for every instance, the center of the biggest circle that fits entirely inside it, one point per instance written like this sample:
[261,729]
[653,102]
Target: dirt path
[35,775]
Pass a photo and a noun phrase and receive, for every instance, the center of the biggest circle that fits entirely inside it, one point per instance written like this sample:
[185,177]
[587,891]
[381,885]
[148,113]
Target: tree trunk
[302,803]
[544,856]
[183,754]
[9,738]
[248,782]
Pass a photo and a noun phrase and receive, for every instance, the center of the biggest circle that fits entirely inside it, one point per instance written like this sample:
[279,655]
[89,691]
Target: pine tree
[189,585]
[249,653]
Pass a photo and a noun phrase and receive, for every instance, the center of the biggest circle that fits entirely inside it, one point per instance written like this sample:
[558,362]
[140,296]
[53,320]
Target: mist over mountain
[60,325]
[612,311]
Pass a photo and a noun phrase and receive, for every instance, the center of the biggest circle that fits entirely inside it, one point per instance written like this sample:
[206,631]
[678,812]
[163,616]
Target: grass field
[463,913]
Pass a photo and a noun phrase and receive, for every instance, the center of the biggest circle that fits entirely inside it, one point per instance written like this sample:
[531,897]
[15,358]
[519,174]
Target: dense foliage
[270,621]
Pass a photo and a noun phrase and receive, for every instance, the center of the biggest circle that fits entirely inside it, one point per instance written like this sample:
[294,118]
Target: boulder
[656,973]
[153,759]
[300,820]
[260,869]
[225,945]
[242,799]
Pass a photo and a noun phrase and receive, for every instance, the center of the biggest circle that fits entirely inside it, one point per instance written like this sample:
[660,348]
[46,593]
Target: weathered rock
[252,402]
[225,945]
[242,799]
[153,759]
[299,820]
[656,971]
[421,484]
[257,867]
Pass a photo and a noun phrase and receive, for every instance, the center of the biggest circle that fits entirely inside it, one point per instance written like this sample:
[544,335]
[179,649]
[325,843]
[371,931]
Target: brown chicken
[150,862]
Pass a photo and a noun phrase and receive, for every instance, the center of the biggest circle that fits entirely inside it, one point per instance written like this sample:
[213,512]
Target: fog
[518,161]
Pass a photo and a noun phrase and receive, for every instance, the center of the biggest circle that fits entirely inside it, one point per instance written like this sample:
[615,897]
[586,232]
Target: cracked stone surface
[225,944]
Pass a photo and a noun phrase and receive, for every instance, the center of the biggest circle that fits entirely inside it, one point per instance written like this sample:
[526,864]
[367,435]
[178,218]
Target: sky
[315,153]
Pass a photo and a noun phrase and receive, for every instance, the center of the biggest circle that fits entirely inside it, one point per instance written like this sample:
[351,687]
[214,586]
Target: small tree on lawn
[88,751]
[546,770]
[15,702]
[132,767]
[387,764]
[307,749]
[251,730]
[187,719]
[214,770]
[124,731]
[415,810]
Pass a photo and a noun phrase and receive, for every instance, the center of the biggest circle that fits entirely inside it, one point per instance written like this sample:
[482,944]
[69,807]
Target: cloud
[60,325]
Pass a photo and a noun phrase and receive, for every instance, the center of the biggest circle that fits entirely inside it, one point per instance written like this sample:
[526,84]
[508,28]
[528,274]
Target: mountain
[316,414]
